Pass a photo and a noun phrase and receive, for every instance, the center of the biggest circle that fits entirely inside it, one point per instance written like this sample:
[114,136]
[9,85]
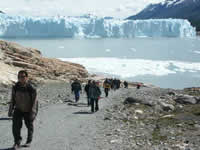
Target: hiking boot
[28,144]
[16,146]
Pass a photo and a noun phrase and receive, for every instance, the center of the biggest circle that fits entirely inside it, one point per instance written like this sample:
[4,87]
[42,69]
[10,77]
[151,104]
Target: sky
[114,8]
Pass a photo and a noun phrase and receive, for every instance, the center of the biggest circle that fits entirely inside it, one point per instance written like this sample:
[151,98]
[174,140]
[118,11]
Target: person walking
[94,94]
[125,84]
[114,84]
[76,88]
[87,86]
[107,87]
[23,106]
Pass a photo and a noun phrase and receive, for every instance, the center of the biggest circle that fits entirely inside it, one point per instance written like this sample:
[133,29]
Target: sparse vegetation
[157,136]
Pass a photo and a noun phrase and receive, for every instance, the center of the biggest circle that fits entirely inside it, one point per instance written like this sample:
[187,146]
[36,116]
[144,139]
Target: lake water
[164,62]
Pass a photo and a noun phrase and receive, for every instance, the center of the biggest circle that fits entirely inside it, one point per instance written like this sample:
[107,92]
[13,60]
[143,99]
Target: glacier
[89,26]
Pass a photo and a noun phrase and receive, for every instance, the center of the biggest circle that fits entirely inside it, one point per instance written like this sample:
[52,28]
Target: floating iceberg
[92,27]
[123,68]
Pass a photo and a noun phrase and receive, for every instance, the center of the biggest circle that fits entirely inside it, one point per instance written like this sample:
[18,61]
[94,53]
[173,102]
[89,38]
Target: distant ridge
[183,9]
[2,12]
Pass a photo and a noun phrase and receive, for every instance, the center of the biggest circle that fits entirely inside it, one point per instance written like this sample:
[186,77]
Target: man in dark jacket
[23,106]
[94,94]
[76,88]
[125,84]
[87,86]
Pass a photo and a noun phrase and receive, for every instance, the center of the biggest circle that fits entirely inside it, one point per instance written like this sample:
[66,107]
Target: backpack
[94,91]
[86,88]
[106,85]
[76,86]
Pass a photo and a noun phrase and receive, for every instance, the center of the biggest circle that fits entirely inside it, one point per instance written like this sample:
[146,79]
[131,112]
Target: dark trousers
[88,99]
[96,101]
[77,95]
[18,117]
[106,91]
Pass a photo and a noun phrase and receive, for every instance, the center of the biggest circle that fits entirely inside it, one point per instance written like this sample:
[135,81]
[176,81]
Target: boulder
[131,100]
[185,99]
[167,107]
[172,93]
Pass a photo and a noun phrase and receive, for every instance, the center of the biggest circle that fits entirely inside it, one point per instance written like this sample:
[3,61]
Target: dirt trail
[60,127]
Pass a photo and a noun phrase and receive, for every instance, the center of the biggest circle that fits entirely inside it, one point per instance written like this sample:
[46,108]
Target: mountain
[184,9]
[1,12]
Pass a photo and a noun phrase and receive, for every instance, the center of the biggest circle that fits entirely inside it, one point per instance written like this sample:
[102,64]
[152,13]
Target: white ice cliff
[92,27]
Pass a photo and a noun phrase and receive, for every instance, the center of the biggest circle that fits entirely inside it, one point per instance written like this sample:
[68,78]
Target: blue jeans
[77,95]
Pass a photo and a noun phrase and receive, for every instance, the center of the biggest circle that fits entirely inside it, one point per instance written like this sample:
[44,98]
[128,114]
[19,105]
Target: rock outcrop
[152,118]
[14,57]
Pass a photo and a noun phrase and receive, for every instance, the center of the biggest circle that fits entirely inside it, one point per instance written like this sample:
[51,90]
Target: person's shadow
[82,112]
[78,104]
[4,119]
[11,148]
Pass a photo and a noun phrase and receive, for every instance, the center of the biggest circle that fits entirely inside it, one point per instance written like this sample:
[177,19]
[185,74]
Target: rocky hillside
[184,9]
[14,57]
[153,119]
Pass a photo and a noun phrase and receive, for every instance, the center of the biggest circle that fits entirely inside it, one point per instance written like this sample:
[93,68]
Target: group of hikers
[112,84]
[24,104]
[93,92]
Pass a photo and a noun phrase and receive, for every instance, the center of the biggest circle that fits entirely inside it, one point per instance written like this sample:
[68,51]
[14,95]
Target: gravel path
[61,126]
[64,125]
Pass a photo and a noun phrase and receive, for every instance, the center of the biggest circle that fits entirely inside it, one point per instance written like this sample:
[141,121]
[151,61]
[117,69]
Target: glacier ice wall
[92,27]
